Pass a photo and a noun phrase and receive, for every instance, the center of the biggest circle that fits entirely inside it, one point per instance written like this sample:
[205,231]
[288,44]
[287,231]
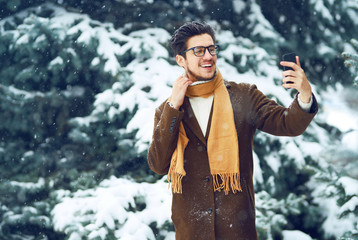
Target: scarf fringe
[227,180]
[174,180]
[176,173]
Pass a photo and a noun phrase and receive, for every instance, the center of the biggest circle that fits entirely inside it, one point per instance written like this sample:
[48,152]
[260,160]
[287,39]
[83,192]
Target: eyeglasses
[199,51]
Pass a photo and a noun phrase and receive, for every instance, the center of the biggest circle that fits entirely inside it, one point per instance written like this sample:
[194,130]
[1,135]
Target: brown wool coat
[199,213]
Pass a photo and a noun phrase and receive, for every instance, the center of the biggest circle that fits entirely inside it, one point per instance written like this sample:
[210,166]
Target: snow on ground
[116,204]
[295,235]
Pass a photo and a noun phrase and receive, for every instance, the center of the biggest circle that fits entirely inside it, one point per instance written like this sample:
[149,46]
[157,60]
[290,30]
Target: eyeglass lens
[200,51]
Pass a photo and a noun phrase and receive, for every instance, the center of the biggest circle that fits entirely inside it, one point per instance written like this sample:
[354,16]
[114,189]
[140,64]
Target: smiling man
[203,138]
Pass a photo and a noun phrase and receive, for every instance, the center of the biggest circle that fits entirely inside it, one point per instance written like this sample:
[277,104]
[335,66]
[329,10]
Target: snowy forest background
[79,83]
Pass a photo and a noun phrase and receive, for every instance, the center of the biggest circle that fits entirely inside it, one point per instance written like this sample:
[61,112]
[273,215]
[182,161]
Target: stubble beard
[200,78]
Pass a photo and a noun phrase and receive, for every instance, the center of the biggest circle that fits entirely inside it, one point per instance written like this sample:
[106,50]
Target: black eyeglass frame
[216,47]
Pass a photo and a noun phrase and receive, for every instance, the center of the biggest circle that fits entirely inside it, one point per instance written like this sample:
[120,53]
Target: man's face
[198,68]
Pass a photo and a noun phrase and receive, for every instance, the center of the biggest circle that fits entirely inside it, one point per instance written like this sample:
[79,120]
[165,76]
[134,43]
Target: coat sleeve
[275,119]
[165,137]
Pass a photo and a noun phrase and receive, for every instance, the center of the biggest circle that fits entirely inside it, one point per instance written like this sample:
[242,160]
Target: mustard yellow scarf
[222,145]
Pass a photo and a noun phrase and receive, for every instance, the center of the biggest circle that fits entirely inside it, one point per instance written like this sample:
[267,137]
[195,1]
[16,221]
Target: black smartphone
[289,57]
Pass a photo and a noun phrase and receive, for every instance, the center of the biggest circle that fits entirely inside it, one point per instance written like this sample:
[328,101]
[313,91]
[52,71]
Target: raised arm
[275,119]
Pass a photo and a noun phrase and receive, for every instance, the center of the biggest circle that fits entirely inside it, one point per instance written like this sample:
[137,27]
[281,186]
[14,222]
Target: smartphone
[289,57]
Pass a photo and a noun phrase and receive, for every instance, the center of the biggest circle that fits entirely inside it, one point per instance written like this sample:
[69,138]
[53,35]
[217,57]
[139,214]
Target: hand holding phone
[289,57]
[296,78]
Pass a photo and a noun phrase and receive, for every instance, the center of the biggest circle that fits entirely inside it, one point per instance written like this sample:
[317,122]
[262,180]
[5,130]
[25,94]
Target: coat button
[207,179]
[210,210]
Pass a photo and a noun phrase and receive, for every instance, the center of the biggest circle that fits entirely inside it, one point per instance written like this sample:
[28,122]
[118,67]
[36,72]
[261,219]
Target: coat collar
[227,84]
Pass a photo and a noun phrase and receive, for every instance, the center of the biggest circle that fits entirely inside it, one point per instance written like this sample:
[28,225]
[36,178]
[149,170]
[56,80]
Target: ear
[180,60]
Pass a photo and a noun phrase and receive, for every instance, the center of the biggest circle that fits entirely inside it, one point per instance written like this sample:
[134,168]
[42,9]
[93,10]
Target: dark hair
[186,31]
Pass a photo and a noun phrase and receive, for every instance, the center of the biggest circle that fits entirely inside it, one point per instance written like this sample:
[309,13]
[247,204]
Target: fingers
[298,61]
[295,66]
[289,82]
[292,65]
[293,79]
[187,82]
[179,89]
[288,73]
[296,78]
[182,81]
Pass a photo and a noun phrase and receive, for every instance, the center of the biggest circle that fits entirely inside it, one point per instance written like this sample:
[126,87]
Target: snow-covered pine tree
[10,7]
[94,110]
[48,76]
[50,72]
[351,60]
[339,191]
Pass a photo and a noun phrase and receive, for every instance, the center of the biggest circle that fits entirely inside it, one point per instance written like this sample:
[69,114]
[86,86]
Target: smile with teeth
[206,65]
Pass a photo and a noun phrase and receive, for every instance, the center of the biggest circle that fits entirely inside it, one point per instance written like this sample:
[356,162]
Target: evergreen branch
[351,60]
[16,96]
[354,43]
[351,63]
[350,57]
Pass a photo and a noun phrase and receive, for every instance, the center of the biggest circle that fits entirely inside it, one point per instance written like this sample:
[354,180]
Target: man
[203,138]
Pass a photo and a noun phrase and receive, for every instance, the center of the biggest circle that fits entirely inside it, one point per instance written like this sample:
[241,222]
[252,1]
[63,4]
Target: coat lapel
[209,123]
[191,122]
